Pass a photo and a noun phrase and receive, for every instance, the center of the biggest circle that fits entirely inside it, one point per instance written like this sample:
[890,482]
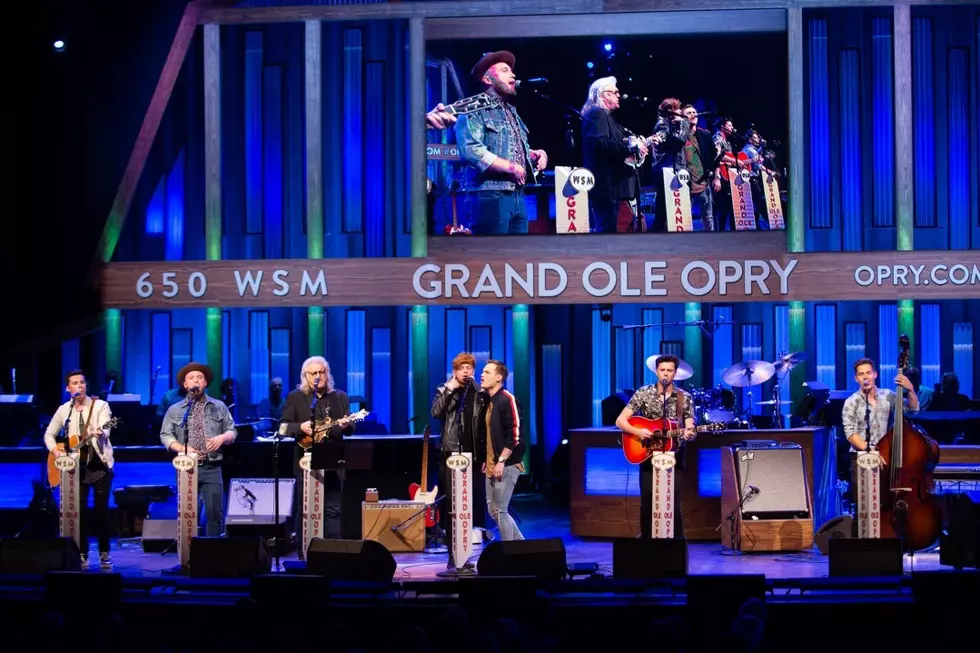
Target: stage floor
[540,521]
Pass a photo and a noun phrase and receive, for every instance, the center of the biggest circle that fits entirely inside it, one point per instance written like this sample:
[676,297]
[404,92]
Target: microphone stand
[277,530]
[64,429]
[702,324]
[731,518]
[867,422]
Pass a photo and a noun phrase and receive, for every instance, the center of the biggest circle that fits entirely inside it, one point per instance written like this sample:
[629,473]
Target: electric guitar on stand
[418,492]
[637,451]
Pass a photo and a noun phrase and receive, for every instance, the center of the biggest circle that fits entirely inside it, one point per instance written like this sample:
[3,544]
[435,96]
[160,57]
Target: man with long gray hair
[606,145]
[308,408]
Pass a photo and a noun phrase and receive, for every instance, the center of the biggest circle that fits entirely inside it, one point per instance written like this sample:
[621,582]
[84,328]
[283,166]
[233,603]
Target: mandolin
[323,427]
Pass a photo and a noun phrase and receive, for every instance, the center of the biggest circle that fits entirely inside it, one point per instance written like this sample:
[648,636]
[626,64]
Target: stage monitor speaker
[229,557]
[653,559]
[353,560]
[544,559]
[838,528]
[159,535]
[866,557]
[959,544]
[780,477]
[38,555]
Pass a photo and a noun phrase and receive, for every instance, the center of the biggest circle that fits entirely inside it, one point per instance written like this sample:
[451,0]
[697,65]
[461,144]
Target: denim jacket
[217,420]
[485,135]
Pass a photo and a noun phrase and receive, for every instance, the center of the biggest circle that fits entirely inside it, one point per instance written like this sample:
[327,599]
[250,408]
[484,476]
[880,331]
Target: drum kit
[718,404]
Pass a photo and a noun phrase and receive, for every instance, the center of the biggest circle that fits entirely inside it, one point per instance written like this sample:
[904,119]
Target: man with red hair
[456,403]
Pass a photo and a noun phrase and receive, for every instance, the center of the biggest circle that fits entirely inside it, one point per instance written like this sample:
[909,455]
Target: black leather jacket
[446,407]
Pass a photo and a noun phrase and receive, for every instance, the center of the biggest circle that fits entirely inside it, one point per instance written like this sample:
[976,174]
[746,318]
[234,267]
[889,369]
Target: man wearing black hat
[202,425]
[494,143]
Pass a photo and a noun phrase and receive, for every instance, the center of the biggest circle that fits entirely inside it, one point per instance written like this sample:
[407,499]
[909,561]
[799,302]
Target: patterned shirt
[648,402]
[196,437]
[882,411]
[516,129]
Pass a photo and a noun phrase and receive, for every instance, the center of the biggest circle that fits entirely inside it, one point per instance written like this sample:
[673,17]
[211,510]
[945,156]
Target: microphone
[533,81]
[194,390]
[752,490]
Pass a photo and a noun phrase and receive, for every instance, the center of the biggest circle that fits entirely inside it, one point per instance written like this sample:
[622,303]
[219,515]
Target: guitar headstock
[715,426]
[904,346]
[426,432]
[358,416]
[112,423]
[471,104]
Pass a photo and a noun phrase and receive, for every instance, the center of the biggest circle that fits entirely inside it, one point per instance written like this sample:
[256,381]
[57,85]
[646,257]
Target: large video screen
[656,134]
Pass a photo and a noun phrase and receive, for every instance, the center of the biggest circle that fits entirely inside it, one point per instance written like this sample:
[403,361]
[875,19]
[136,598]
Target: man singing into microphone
[202,425]
[316,396]
[493,142]
[457,404]
[649,402]
[872,408]
[83,416]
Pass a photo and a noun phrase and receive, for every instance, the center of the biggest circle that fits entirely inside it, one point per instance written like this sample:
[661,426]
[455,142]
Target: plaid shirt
[853,416]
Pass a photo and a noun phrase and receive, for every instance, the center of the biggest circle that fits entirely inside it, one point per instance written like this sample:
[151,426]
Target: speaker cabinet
[775,516]
[353,560]
[651,559]
[543,559]
[38,555]
[159,535]
[837,528]
[866,557]
[398,525]
[229,557]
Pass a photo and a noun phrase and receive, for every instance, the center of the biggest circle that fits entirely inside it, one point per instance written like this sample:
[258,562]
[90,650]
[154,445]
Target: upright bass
[909,510]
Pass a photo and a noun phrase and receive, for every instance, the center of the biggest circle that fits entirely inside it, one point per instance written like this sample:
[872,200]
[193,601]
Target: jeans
[211,490]
[96,521]
[498,502]
[499,212]
[702,201]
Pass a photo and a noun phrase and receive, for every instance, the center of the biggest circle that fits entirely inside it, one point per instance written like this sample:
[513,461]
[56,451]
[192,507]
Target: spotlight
[589,65]
[607,47]
[59,46]
[564,441]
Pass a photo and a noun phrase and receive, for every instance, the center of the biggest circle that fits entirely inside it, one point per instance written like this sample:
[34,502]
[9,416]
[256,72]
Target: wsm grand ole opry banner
[851,276]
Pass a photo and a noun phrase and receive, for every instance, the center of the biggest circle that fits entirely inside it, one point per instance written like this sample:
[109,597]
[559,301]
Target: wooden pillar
[904,179]
[313,96]
[796,222]
[421,392]
[520,318]
[212,186]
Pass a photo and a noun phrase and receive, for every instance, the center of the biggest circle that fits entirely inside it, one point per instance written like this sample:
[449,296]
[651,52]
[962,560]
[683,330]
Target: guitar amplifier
[397,525]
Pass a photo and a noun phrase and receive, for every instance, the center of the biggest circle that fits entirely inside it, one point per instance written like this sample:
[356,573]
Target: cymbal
[748,373]
[772,403]
[789,361]
[684,370]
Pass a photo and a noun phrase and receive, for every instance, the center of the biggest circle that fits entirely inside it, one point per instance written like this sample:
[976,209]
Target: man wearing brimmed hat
[201,425]
[494,143]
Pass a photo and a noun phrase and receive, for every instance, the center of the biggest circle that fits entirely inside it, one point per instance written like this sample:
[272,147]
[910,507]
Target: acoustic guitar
[323,427]
[418,492]
[637,451]
[74,442]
